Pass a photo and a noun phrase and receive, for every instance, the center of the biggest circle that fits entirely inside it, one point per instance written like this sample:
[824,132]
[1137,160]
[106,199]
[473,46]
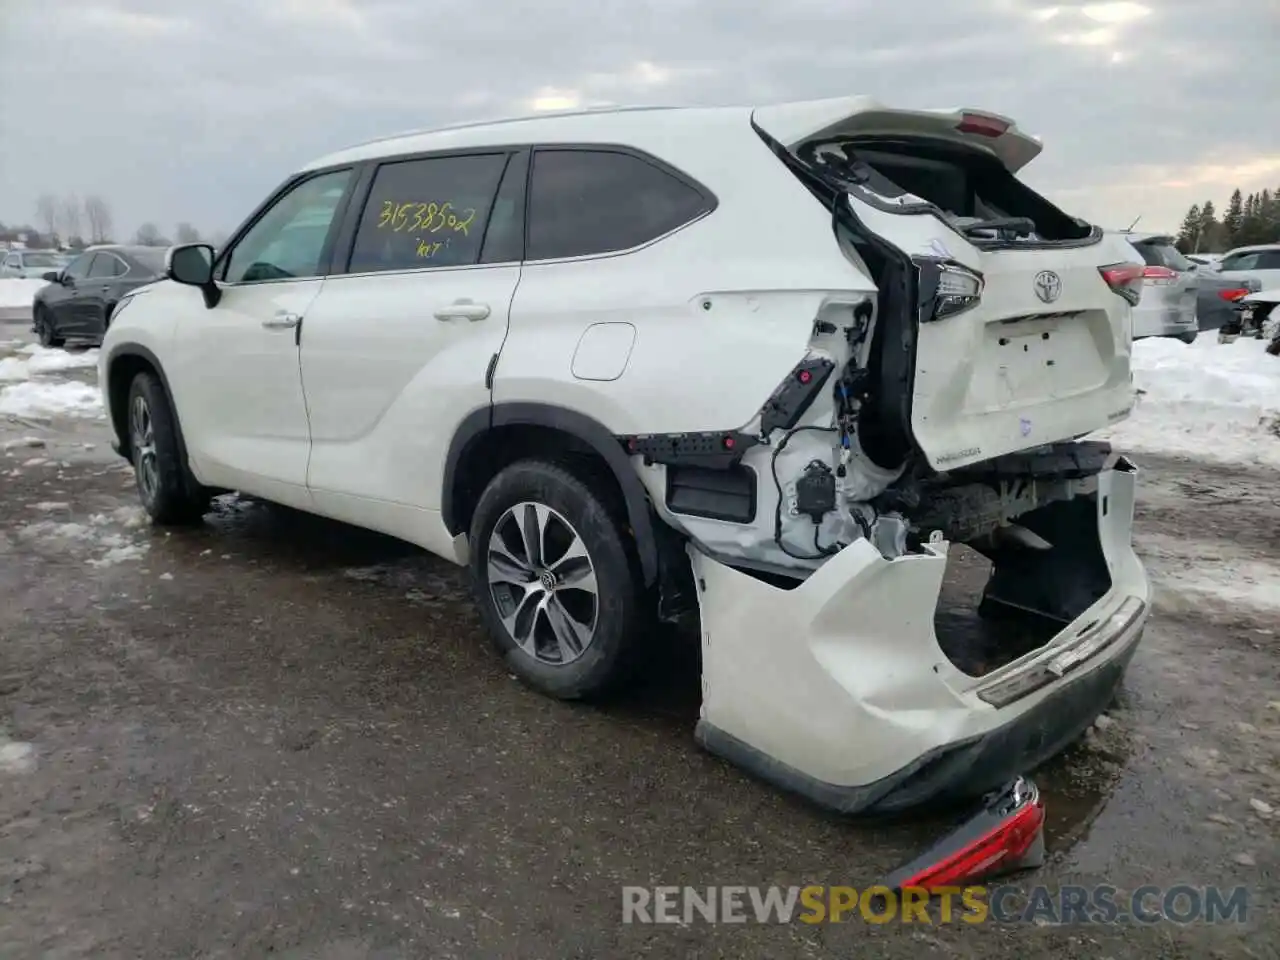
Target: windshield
[41,260]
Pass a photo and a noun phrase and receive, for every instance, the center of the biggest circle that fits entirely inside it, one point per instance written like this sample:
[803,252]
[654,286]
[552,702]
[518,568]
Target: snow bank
[1214,401]
[50,398]
[18,293]
[34,360]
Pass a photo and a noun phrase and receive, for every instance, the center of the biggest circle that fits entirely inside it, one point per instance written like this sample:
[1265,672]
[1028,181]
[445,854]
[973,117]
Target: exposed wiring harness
[777,510]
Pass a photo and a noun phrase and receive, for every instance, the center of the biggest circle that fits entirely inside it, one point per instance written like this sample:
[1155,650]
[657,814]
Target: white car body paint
[839,679]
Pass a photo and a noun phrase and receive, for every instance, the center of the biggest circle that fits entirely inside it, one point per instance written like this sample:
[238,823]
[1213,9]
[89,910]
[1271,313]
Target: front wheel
[1189,336]
[168,492]
[557,582]
[46,330]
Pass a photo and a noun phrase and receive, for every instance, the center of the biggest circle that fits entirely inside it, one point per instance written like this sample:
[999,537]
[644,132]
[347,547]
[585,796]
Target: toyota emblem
[1048,285]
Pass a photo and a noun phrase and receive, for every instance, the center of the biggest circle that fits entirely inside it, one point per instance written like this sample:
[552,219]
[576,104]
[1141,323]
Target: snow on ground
[18,293]
[1186,570]
[1210,400]
[50,398]
[104,540]
[34,360]
[31,385]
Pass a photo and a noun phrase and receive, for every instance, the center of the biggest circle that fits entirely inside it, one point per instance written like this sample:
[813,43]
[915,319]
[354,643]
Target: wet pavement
[278,736]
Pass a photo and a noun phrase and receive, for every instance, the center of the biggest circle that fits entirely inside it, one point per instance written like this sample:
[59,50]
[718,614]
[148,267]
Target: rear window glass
[427,213]
[1163,255]
[584,202]
[967,186]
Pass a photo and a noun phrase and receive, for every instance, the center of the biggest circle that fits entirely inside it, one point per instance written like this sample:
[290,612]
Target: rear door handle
[463,310]
[283,320]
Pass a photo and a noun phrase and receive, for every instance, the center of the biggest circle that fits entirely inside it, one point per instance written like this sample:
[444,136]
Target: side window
[289,241]
[11,260]
[585,202]
[78,268]
[1268,260]
[1241,261]
[105,265]
[427,213]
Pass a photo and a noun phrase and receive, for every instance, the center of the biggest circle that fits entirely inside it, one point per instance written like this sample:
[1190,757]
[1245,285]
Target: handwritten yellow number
[417,217]
[443,216]
[388,208]
[462,225]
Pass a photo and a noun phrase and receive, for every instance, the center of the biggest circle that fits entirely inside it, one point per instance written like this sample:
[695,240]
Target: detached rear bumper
[837,690]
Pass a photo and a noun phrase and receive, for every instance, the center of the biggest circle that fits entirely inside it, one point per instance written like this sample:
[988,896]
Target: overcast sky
[193,109]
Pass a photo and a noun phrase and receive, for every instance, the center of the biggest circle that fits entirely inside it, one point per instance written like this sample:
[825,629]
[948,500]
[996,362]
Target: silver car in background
[30,264]
[1179,296]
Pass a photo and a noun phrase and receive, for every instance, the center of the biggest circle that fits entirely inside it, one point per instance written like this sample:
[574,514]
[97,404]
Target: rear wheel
[1189,336]
[168,492]
[46,330]
[556,581]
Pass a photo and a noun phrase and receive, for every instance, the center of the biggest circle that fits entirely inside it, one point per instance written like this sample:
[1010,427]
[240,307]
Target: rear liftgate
[822,672]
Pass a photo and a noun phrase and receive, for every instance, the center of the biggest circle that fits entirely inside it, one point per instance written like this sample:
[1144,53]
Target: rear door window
[584,202]
[105,265]
[1268,260]
[428,213]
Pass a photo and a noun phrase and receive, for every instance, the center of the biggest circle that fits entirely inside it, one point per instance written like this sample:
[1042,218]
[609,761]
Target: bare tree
[99,216]
[186,233]
[47,214]
[70,214]
[148,235]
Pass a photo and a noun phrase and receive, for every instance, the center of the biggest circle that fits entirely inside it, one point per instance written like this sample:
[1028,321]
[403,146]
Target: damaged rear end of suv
[931,429]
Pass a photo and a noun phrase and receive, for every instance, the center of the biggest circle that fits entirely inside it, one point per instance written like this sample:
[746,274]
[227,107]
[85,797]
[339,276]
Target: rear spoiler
[795,124]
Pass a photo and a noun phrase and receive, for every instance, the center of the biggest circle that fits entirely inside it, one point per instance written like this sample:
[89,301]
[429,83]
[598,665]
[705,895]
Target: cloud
[1143,107]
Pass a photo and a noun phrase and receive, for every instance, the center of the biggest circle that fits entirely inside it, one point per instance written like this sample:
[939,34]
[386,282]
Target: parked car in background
[78,301]
[30,264]
[1260,263]
[1179,297]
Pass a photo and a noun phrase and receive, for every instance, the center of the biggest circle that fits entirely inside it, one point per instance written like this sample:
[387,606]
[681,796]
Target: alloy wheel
[143,443]
[543,583]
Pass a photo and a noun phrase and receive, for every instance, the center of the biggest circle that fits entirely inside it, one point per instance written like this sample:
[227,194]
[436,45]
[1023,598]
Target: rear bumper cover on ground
[837,689]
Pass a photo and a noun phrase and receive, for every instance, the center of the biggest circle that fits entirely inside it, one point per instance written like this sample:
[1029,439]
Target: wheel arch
[469,464]
[125,362]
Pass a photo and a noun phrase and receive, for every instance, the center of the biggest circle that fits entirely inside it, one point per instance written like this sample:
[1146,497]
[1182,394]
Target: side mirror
[192,264]
[50,276]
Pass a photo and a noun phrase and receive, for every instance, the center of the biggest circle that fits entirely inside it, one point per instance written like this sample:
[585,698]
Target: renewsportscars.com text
[1102,904]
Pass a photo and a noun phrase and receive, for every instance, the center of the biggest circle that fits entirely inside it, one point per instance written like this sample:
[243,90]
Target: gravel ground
[278,736]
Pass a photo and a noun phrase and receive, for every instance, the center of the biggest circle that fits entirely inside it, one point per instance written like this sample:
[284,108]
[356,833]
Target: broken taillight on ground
[1007,835]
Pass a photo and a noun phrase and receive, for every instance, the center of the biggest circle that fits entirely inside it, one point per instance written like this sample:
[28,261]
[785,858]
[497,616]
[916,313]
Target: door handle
[463,310]
[282,321]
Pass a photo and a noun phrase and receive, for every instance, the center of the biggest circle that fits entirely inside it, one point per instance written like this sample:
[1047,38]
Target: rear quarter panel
[723,308]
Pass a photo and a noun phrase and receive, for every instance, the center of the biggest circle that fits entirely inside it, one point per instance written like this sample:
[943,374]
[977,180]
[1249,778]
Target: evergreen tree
[1189,232]
[1233,220]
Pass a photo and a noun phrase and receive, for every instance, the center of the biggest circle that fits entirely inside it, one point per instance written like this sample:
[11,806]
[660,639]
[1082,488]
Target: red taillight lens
[982,125]
[1233,295]
[1125,280]
[1159,276]
[1008,835]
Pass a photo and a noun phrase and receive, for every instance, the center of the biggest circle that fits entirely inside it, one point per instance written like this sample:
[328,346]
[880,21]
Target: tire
[1189,336]
[168,492]
[46,330]
[569,664]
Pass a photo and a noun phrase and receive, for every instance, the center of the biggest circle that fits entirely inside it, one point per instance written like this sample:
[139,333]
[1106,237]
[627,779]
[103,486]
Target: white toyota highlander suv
[776,367]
